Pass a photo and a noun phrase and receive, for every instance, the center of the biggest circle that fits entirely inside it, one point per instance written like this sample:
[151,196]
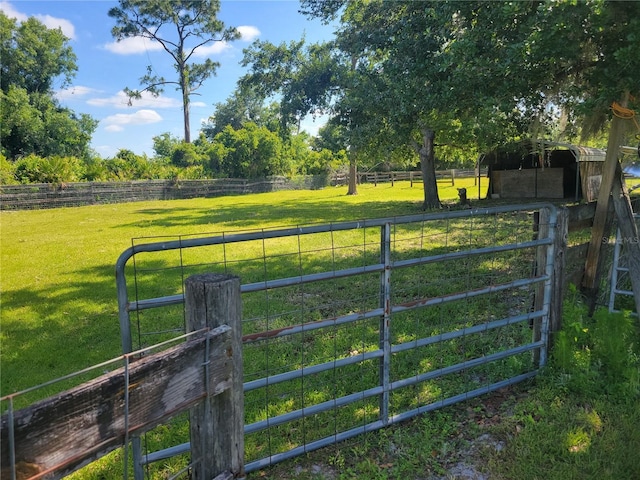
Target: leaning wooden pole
[598,231]
[217,424]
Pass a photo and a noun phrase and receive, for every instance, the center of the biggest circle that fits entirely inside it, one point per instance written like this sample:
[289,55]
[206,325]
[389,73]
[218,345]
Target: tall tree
[181,27]
[312,79]
[399,43]
[31,119]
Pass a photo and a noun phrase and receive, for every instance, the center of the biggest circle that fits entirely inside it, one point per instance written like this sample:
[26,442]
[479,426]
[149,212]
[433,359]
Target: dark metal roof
[580,153]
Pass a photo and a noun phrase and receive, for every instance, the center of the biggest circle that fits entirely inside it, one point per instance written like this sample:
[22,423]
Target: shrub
[7,171]
[55,169]
[94,169]
[186,155]
[597,354]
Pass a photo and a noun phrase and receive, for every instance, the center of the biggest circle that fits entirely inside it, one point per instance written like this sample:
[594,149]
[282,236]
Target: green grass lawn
[59,305]
[59,315]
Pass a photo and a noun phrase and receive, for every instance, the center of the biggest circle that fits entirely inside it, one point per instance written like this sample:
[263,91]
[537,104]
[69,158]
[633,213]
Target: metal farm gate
[350,327]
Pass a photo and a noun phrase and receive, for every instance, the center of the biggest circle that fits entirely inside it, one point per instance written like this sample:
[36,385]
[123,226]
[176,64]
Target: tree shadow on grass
[287,213]
[58,329]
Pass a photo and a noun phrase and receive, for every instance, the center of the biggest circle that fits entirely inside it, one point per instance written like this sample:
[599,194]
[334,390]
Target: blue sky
[105,67]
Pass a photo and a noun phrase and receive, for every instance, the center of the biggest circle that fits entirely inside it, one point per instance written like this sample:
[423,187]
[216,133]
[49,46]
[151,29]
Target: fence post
[561,234]
[557,282]
[217,424]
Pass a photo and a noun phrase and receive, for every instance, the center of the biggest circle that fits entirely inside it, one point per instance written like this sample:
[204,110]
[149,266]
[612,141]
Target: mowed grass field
[59,305]
[58,314]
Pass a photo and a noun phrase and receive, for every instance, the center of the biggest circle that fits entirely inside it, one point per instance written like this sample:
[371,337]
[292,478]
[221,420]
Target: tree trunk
[185,88]
[353,175]
[353,162]
[185,110]
[428,168]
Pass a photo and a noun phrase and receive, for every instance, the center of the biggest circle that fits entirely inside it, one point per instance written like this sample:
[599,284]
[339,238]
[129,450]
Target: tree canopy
[33,56]
[243,105]
[31,119]
[483,72]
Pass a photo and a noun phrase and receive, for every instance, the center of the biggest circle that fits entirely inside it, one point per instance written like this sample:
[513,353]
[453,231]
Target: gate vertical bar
[385,320]
[127,347]
[551,218]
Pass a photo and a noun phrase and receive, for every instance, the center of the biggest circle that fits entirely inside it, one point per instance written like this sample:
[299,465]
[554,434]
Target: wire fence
[53,195]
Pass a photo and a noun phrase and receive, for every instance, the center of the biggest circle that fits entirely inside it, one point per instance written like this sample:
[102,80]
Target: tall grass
[581,420]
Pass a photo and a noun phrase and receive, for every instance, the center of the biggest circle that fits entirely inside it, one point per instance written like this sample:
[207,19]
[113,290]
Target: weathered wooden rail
[414,176]
[60,434]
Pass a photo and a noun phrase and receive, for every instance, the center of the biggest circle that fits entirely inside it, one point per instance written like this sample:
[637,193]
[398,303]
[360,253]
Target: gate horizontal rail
[388,350]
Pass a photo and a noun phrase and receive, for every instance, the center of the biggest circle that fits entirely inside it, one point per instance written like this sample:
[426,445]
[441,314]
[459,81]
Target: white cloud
[213,48]
[11,12]
[132,46]
[121,100]
[248,33]
[65,25]
[50,22]
[75,91]
[117,122]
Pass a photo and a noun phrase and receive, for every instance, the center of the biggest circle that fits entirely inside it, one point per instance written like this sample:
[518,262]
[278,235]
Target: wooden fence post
[557,282]
[557,276]
[217,424]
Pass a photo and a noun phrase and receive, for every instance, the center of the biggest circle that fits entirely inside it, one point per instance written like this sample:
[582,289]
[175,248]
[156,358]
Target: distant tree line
[403,84]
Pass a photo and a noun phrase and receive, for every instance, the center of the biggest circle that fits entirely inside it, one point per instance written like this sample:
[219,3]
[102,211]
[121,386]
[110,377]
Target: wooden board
[550,183]
[529,183]
[58,435]
[517,183]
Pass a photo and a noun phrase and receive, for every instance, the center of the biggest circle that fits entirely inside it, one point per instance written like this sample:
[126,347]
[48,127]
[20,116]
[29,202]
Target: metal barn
[542,169]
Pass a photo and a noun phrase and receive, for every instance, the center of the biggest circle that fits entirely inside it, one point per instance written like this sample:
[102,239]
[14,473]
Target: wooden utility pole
[217,424]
